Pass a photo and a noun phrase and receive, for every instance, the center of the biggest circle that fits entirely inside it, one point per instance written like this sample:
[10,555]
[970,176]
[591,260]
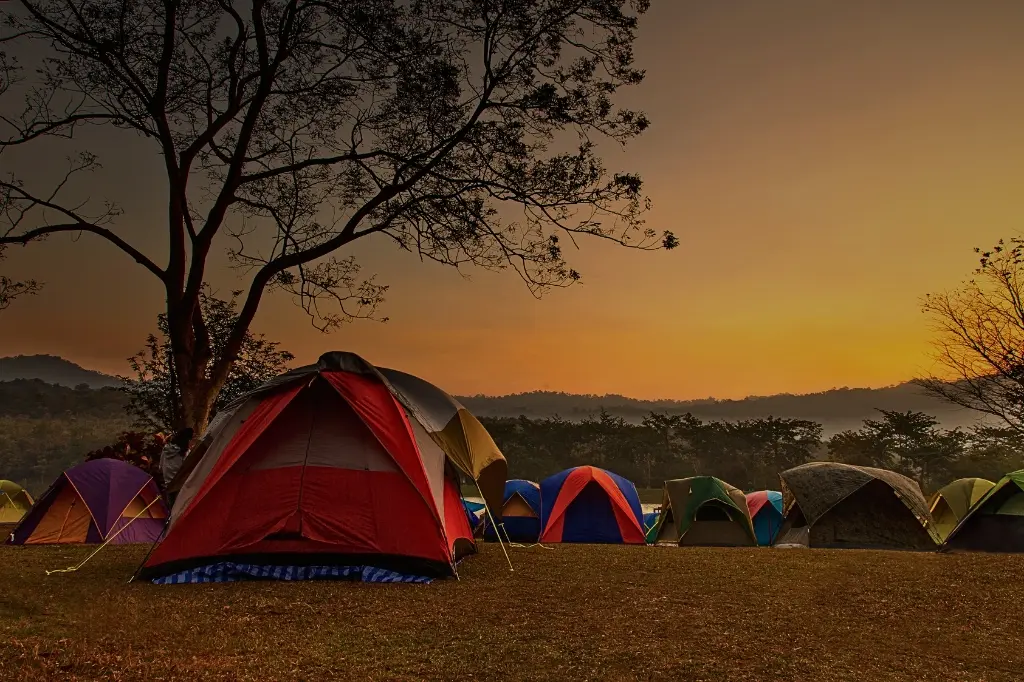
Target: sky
[824,163]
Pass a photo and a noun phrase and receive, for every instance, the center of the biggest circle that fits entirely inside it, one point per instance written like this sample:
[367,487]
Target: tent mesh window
[712,511]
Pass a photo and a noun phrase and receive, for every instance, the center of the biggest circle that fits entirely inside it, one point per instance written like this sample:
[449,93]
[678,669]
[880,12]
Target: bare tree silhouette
[979,343]
[463,130]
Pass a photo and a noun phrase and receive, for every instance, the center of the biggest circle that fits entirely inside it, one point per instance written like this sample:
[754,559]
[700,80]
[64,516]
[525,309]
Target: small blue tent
[765,507]
[520,512]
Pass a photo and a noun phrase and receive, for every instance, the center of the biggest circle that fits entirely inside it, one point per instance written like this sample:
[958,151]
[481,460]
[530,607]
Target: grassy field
[566,613]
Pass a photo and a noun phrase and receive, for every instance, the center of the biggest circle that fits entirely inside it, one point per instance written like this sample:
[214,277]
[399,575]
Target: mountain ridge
[53,369]
[836,409]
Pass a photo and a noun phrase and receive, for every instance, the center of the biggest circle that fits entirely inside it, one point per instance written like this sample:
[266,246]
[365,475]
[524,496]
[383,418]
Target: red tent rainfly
[322,473]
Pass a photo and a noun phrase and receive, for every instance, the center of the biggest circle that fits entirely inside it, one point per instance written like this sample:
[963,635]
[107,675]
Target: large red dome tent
[335,470]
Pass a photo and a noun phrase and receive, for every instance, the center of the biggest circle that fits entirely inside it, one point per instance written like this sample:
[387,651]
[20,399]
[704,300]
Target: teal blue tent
[765,507]
[650,519]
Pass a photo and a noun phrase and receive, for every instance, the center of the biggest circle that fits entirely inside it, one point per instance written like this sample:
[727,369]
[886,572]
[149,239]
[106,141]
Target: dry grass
[568,613]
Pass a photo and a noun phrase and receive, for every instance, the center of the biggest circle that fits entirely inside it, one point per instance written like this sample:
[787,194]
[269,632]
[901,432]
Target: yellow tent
[952,502]
[14,502]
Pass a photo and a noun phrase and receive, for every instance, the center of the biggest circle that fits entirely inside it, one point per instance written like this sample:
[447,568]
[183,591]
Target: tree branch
[40,232]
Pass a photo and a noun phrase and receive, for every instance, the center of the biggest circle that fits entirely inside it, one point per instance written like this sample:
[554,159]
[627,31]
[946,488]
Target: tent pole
[497,532]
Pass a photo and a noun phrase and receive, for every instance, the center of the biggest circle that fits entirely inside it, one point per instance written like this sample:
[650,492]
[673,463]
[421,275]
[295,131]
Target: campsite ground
[568,612]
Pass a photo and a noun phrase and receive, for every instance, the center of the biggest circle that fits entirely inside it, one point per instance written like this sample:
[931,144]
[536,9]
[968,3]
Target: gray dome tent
[829,504]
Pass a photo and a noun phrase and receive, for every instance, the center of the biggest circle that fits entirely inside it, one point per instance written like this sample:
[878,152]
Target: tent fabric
[14,502]
[95,501]
[822,485]
[461,435]
[475,514]
[457,527]
[650,523]
[951,503]
[994,523]
[703,510]
[520,513]
[830,504]
[590,505]
[765,509]
[328,469]
[1012,507]
[454,430]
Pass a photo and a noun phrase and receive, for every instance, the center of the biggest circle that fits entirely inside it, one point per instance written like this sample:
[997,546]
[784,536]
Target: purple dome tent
[94,501]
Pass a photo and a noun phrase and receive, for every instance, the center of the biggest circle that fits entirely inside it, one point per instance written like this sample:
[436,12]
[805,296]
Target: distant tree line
[750,453]
[45,428]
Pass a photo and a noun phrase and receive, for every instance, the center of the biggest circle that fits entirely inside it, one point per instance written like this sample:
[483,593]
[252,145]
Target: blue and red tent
[520,512]
[587,504]
[765,509]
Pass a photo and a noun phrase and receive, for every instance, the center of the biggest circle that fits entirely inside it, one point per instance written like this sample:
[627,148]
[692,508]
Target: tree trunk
[199,375]
[191,364]
[197,404]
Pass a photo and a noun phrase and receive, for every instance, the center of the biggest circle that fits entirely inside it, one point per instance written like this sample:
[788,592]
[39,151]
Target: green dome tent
[952,503]
[14,502]
[703,510]
[996,522]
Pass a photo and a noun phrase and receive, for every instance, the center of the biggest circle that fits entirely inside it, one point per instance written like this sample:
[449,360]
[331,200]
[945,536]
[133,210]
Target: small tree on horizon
[779,443]
[154,395]
[465,131]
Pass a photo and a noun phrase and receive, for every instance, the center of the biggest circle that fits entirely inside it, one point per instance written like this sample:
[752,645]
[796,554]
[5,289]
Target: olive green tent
[996,522]
[14,502]
[952,502]
[830,504]
[703,510]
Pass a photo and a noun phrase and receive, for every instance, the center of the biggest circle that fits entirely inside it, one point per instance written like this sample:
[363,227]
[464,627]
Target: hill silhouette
[836,409]
[53,370]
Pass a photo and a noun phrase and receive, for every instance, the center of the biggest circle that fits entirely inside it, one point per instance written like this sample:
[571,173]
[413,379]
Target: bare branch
[979,337]
[11,289]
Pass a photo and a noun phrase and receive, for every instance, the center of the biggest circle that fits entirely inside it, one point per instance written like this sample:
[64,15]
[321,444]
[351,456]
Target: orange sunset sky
[824,163]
